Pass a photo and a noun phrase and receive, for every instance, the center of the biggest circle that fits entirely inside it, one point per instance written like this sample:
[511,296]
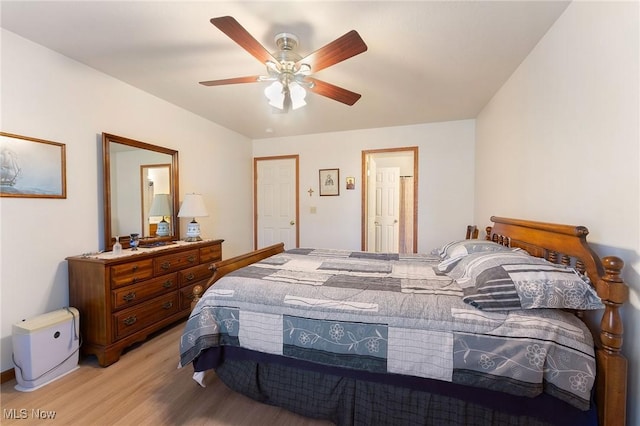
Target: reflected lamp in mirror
[161,207]
[193,206]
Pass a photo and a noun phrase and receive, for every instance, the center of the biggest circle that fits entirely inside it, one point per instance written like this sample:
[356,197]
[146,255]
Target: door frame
[255,194]
[365,153]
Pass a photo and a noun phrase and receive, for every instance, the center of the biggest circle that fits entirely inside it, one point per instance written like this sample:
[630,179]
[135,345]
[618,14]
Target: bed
[375,338]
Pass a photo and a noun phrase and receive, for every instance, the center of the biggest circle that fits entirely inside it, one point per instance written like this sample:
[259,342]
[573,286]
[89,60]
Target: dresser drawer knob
[167,305]
[190,276]
[134,268]
[167,284]
[191,259]
[130,320]
[165,265]
[129,296]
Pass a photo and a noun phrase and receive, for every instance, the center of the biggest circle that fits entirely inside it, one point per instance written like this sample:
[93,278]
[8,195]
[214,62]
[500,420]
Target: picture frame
[31,167]
[329,180]
[351,182]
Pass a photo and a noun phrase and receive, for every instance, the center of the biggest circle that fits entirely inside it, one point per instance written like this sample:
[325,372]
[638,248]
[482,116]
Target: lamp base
[193,232]
[163,228]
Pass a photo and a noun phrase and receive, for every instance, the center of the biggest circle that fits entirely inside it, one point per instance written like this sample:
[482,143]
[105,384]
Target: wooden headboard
[566,244]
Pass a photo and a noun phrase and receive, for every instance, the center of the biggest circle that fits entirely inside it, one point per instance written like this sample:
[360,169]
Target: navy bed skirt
[351,397]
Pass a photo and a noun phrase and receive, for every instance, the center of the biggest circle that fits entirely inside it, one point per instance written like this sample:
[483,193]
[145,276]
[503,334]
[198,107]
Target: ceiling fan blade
[345,47]
[248,79]
[333,92]
[237,33]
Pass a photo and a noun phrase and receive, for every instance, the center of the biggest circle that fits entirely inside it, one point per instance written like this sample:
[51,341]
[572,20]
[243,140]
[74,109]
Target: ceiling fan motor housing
[286,54]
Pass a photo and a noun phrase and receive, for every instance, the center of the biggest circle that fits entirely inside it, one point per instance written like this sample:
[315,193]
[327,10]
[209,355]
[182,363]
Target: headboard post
[613,294]
[488,231]
[611,383]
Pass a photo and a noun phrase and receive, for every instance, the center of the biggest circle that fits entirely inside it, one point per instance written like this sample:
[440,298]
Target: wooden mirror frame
[107,139]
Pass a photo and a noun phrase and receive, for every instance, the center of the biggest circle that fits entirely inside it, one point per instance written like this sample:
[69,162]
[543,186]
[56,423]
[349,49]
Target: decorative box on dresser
[124,298]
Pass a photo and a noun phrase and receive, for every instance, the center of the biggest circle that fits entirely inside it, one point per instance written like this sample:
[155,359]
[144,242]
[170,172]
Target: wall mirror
[134,174]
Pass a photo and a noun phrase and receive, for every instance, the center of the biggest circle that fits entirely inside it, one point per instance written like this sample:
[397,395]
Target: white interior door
[387,209]
[276,202]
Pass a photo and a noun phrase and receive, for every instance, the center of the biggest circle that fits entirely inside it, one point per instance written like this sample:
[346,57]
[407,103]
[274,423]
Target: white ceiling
[427,61]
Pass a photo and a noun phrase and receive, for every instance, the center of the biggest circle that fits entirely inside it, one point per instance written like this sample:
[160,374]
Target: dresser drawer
[194,274]
[136,293]
[211,254]
[131,272]
[130,320]
[175,262]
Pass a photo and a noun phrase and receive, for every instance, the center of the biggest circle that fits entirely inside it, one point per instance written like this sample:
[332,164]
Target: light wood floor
[144,387]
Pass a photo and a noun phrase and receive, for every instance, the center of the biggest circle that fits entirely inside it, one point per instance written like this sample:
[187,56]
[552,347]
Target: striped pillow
[514,280]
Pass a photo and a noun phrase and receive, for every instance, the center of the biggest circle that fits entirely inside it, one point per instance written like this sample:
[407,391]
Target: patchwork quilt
[391,313]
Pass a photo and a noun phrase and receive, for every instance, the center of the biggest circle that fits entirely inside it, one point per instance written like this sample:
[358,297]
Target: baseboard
[7,375]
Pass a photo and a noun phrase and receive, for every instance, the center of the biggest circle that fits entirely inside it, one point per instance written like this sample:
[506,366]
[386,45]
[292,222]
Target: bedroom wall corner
[565,130]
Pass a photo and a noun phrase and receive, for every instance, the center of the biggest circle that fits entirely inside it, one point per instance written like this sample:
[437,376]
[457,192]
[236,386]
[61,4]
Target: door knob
[293,222]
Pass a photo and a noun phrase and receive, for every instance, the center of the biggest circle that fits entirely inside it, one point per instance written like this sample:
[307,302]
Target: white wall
[445,170]
[560,143]
[48,96]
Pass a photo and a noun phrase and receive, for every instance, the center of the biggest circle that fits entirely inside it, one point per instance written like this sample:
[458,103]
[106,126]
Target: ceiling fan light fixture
[303,69]
[297,94]
[275,93]
[272,67]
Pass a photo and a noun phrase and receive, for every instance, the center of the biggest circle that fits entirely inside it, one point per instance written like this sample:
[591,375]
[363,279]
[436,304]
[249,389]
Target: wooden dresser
[124,298]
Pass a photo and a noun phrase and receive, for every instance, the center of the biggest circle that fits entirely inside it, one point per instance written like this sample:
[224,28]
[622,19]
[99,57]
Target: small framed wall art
[329,182]
[32,168]
[351,182]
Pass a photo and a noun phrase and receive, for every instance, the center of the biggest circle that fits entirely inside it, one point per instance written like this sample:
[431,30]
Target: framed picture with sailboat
[31,167]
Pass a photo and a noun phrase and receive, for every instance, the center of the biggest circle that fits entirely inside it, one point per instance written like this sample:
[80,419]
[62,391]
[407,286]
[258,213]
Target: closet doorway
[390,200]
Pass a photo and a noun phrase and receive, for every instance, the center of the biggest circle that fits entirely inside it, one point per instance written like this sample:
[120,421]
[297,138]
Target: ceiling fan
[287,70]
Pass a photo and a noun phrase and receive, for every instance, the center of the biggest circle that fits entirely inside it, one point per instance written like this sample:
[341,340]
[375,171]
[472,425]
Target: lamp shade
[274,92]
[277,94]
[297,94]
[193,206]
[161,205]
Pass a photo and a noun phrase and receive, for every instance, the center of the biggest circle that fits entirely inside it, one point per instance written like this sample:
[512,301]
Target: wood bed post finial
[488,231]
[197,293]
[615,294]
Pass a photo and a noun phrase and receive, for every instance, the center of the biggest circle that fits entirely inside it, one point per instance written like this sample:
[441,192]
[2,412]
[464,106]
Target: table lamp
[161,206]
[193,206]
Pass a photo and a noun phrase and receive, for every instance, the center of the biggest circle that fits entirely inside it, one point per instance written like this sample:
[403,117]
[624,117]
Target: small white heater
[45,348]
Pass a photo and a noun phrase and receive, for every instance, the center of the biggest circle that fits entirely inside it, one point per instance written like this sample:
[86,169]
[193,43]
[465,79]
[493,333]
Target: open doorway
[390,200]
